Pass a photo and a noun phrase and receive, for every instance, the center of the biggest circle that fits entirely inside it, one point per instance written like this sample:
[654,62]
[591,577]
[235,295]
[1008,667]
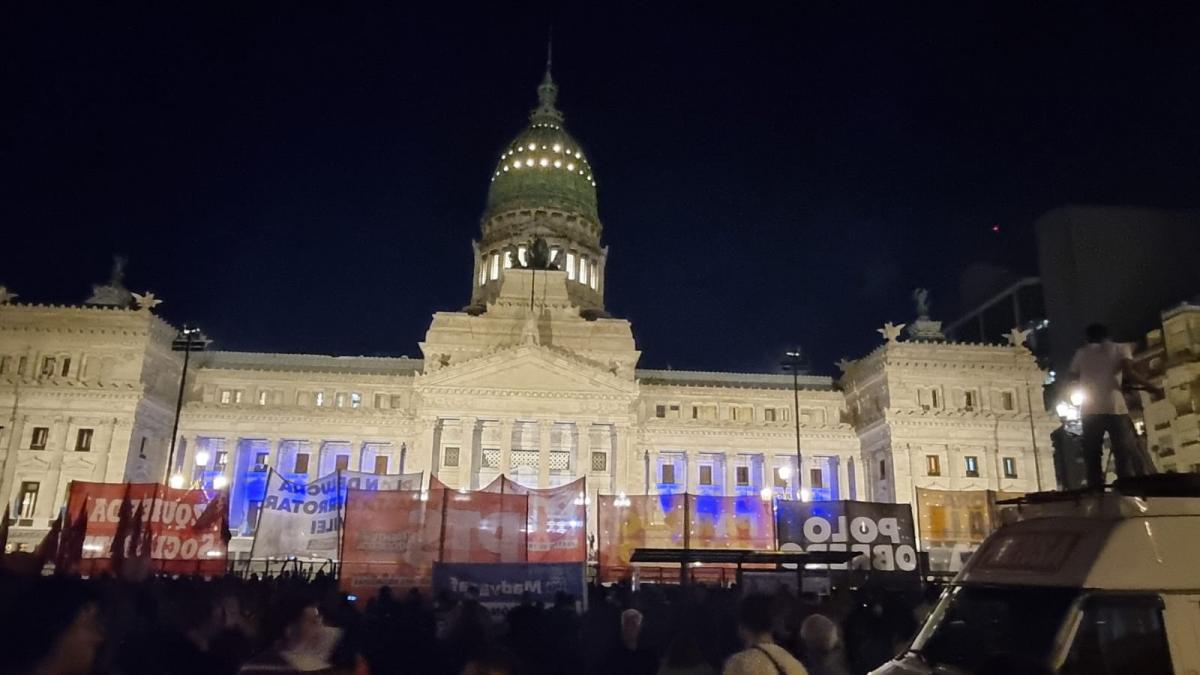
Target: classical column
[544,453]
[843,480]
[506,435]
[730,462]
[466,454]
[274,445]
[316,448]
[422,456]
[356,451]
[583,457]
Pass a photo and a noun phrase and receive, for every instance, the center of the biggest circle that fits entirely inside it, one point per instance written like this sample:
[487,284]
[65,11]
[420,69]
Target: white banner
[304,519]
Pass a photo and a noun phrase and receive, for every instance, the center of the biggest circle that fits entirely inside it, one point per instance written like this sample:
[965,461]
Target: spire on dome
[546,112]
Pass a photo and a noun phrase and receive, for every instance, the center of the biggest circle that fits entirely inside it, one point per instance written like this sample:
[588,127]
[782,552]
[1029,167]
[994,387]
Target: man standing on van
[1102,367]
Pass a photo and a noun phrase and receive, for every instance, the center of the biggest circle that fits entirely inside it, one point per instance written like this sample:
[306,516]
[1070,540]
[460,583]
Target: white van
[1075,583]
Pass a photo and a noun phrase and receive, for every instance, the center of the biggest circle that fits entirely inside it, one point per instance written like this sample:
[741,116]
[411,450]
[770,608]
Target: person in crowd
[630,656]
[468,630]
[50,627]
[761,655]
[299,640]
[685,658]
[822,646]
[1103,368]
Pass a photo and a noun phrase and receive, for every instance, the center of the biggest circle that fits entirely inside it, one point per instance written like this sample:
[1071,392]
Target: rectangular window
[27,499]
[1120,634]
[397,402]
[593,276]
[741,475]
[583,270]
[816,478]
[22,364]
[1008,401]
[341,462]
[260,460]
[301,465]
[381,465]
[450,457]
[660,411]
[48,364]
[319,398]
[381,401]
[521,256]
[769,414]
[355,400]
[483,271]
[226,396]
[237,395]
[668,474]
[570,266]
[674,410]
[83,440]
[339,400]
[935,398]
[969,401]
[600,461]
[495,266]
[5,364]
[882,469]
[263,396]
[66,367]
[222,459]
[780,481]
[508,260]
[972,467]
[1010,467]
[706,474]
[933,465]
[39,438]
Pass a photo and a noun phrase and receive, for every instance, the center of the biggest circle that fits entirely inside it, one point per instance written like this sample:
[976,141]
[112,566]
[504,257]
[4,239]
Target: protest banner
[557,525]
[881,533]
[482,527]
[954,523]
[391,539]
[175,528]
[303,520]
[628,523]
[501,586]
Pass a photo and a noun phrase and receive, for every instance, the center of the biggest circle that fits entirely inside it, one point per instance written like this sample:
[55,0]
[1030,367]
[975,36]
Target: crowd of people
[292,623]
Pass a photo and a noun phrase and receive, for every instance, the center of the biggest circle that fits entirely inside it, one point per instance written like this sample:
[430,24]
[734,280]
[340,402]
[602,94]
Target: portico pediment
[528,368]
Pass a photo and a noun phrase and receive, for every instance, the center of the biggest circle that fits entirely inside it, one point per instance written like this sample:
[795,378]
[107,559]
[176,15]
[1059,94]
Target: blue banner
[501,585]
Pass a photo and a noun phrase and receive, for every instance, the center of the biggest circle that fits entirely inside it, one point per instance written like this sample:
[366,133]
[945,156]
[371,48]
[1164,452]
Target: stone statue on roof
[537,256]
[921,299]
[114,293]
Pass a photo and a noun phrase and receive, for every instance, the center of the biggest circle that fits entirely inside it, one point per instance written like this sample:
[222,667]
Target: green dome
[543,167]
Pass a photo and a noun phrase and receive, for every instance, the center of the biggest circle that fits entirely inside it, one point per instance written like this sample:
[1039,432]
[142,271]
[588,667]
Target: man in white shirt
[1102,367]
[761,655]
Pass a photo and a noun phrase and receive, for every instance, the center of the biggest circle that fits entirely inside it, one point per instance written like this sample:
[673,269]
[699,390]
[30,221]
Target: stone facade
[1172,359]
[532,378]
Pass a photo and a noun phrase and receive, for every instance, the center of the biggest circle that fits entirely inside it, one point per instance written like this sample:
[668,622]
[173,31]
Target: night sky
[308,179]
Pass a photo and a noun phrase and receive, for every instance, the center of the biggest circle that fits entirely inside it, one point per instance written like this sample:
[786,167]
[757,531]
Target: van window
[1120,634]
[973,626]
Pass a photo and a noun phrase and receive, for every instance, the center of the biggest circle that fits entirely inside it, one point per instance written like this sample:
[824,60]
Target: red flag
[4,531]
[47,550]
[70,550]
[120,542]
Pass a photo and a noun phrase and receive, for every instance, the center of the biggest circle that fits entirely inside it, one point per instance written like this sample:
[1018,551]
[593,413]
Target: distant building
[1017,304]
[1172,358]
[532,378]
[1114,265]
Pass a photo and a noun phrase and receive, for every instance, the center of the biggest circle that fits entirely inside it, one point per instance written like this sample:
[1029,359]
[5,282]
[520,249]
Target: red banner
[557,524]
[390,539]
[182,536]
[484,528]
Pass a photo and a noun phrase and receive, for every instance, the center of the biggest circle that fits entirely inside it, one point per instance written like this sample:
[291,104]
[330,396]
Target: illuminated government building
[532,378]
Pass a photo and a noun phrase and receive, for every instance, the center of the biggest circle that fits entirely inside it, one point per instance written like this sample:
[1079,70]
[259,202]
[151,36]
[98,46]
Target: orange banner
[628,523]
[557,525]
[390,539]
[183,537]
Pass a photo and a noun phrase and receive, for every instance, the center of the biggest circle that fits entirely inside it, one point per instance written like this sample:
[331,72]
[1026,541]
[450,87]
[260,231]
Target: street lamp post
[792,361]
[189,340]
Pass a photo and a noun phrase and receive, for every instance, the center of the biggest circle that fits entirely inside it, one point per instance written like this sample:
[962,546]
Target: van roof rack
[1158,485]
